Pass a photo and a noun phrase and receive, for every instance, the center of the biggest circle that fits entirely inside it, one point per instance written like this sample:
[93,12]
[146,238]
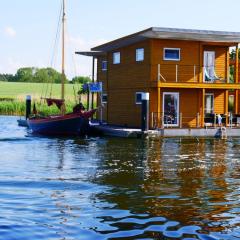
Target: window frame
[138,102]
[114,59]
[171,59]
[104,95]
[137,55]
[211,110]
[104,62]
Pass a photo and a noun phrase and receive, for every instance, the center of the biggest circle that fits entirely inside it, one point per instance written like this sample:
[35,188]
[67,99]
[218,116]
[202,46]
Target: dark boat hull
[71,124]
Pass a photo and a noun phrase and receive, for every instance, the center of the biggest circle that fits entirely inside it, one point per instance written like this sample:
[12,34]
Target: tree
[81,79]
[25,74]
[47,75]
[233,54]
[7,78]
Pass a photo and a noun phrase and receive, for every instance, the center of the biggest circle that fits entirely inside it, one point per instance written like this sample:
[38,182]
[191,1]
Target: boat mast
[63,50]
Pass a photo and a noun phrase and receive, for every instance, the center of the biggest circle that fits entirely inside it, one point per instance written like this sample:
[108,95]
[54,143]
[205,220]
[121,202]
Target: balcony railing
[190,73]
[163,120]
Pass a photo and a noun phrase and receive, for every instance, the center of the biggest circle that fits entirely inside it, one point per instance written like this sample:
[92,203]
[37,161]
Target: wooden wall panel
[130,73]
[188,105]
[122,108]
[102,77]
[219,100]
[189,54]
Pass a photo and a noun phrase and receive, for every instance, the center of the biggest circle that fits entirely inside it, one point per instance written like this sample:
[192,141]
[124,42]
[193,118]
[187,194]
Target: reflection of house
[186,73]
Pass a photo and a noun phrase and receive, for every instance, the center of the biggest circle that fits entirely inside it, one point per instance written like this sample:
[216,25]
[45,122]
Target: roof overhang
[92,53]
[173,34]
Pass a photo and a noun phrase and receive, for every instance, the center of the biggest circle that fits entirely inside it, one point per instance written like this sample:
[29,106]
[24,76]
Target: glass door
[171,109]
[209,103]
[209,66]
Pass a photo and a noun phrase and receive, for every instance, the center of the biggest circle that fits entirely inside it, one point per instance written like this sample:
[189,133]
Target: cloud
[9,31]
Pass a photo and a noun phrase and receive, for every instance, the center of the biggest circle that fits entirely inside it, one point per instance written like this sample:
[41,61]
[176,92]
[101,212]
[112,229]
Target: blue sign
[95,87]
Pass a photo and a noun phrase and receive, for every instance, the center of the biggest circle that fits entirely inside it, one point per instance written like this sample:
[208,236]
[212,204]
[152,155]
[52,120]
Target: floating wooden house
[186,72]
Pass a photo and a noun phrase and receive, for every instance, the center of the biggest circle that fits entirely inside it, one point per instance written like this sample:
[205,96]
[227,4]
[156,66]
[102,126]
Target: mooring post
[145,112]
[28,106]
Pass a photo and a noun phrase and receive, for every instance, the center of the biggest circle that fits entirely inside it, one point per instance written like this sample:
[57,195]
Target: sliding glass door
[171,109]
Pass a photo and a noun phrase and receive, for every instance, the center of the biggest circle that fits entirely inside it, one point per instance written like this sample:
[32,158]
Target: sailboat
[74,123]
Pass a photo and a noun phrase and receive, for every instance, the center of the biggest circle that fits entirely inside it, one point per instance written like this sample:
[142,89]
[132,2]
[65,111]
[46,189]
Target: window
[139,54]
[209,103]
[104,65]
[116,58]
[138,98]
[104,98]
[172,54]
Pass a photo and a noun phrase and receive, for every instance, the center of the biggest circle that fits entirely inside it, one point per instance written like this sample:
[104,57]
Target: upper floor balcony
[195,74]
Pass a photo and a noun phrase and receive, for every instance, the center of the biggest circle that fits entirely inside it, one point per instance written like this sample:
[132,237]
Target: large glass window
[139,54]
[209,103]
[116,58]
[172,54]
[171,108]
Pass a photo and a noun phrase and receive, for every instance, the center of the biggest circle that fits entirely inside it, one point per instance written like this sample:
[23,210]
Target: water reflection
[183,180]
[94,188]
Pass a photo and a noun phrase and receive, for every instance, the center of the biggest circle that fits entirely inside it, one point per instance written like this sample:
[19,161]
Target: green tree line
[40,75]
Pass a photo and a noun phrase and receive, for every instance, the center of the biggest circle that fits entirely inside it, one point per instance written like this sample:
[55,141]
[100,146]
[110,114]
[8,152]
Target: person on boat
[79,108]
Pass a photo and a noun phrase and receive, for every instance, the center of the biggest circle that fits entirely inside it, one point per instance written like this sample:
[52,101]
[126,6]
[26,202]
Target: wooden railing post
[159,72]
[198,120]
[176,73]
[194,73]
[236,65]
[180,120]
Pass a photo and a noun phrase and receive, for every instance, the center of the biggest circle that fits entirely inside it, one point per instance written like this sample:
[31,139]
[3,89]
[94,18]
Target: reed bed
[18,108]
[13,95]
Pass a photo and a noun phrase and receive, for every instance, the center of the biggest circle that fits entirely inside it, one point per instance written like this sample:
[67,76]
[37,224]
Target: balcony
[171,73]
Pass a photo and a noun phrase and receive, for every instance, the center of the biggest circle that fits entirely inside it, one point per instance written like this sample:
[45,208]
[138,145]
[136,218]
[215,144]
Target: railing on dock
[164,120]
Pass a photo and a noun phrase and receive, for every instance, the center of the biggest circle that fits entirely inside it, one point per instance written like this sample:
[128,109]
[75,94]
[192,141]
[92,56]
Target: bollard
[28,106]
[145,112]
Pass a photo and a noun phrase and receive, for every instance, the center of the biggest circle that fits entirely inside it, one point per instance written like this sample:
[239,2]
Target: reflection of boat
[73,123]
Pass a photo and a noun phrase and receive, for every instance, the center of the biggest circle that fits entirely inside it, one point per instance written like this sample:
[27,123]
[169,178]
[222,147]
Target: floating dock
[117,131]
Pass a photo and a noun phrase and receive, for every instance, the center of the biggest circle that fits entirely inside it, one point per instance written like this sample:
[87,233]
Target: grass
[13,95]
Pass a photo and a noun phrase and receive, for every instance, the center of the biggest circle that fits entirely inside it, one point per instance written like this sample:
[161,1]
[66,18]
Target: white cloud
[9,31]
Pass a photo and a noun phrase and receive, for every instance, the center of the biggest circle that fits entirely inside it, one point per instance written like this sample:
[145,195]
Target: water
[53,188]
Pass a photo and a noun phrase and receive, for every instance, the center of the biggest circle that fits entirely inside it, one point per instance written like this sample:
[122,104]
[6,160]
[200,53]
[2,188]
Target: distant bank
[13,95]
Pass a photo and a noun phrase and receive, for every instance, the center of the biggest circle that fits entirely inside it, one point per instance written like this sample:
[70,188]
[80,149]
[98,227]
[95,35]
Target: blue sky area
[28,27]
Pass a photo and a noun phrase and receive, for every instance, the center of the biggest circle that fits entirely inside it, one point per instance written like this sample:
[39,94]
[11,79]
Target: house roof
[171,33]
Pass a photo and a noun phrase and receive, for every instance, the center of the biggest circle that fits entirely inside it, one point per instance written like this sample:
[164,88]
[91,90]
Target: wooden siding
[189,56]
[102,77]
[219,101]
[129,73]
[189,111]
[122,107]
[189,68]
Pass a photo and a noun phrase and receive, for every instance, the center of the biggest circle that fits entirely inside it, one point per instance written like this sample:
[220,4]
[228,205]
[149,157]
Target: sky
[28,27]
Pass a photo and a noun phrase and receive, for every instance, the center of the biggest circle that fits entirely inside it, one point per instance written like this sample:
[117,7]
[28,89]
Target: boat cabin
[188,73]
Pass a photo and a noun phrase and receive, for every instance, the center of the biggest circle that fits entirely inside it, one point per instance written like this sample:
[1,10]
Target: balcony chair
[211,79]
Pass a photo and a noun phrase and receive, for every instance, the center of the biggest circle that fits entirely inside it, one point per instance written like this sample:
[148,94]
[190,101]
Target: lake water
[108,188]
